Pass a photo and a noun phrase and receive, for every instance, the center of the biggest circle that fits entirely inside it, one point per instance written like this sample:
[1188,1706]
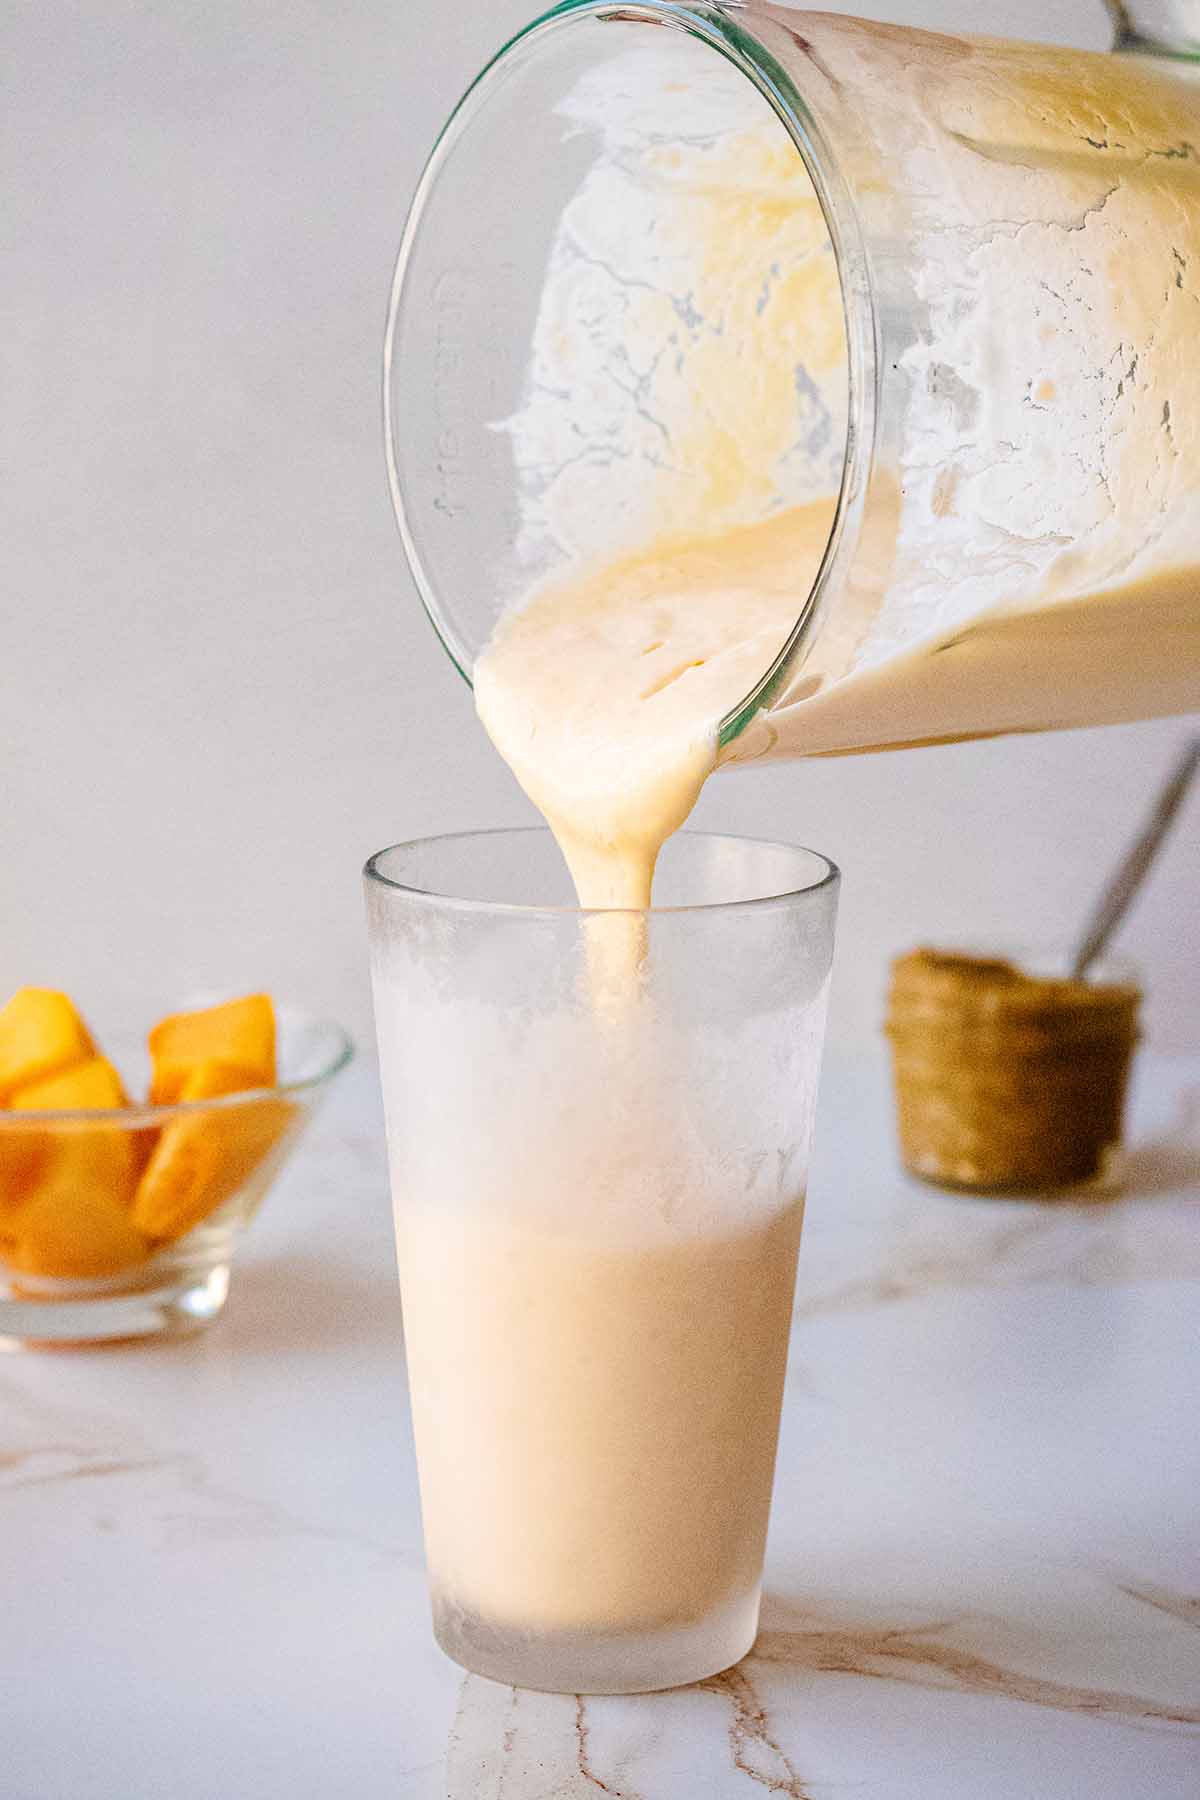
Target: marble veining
[499,1735]
[960,1244]
[172,1497]
[1184,1607]
[915,1656]
[754,1751]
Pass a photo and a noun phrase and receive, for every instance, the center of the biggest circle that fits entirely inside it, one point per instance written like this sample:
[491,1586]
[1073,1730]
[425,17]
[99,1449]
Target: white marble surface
[984,1570]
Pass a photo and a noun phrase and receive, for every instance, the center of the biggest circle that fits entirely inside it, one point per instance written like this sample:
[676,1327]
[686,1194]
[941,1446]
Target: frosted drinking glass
[598,1204]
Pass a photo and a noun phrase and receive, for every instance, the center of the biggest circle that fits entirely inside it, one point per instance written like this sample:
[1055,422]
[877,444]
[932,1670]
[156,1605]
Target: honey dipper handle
[1117,897]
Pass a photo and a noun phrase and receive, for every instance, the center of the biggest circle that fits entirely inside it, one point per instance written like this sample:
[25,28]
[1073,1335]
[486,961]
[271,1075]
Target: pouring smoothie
[686,394]
[831,388]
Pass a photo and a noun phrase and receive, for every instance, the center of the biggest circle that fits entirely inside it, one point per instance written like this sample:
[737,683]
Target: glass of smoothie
[599,1128]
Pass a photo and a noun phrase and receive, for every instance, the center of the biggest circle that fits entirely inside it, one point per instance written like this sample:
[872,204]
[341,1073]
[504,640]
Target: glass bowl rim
[138,1115]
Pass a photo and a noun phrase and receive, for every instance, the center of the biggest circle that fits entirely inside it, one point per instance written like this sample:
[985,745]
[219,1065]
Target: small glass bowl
[78,1265]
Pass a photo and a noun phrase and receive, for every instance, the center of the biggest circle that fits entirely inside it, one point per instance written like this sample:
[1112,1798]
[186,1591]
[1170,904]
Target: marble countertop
[984,1569]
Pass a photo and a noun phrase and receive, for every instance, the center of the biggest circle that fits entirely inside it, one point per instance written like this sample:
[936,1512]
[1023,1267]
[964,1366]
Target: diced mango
[102,1159]
[86,1085]
[71,1218]
[98,1159]
[75,1232]
[198,1163]
[238,1033]
[23,1153]
[40,1033]
[214,1078]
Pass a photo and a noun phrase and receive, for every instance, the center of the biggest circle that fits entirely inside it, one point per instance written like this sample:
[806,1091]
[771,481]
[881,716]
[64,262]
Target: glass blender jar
[674,270]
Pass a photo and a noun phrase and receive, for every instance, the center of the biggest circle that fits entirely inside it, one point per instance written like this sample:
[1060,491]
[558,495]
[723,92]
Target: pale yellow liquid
[595,1420]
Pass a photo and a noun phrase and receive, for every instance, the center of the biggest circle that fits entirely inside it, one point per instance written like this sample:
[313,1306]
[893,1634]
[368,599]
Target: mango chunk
[91,1084]
[214,1078]
[40,1033]
[198,1163]
[70,1218]
[99,1160]
[22,1154]
[83,1159]
[75,1232]
[238,1033]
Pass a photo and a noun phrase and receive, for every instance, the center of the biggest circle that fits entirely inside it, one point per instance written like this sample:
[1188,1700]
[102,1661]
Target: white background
[217,691]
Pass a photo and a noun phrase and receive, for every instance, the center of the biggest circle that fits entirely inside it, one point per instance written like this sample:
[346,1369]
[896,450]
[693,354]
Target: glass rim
[828,878]
[138,1116]
[719,25]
